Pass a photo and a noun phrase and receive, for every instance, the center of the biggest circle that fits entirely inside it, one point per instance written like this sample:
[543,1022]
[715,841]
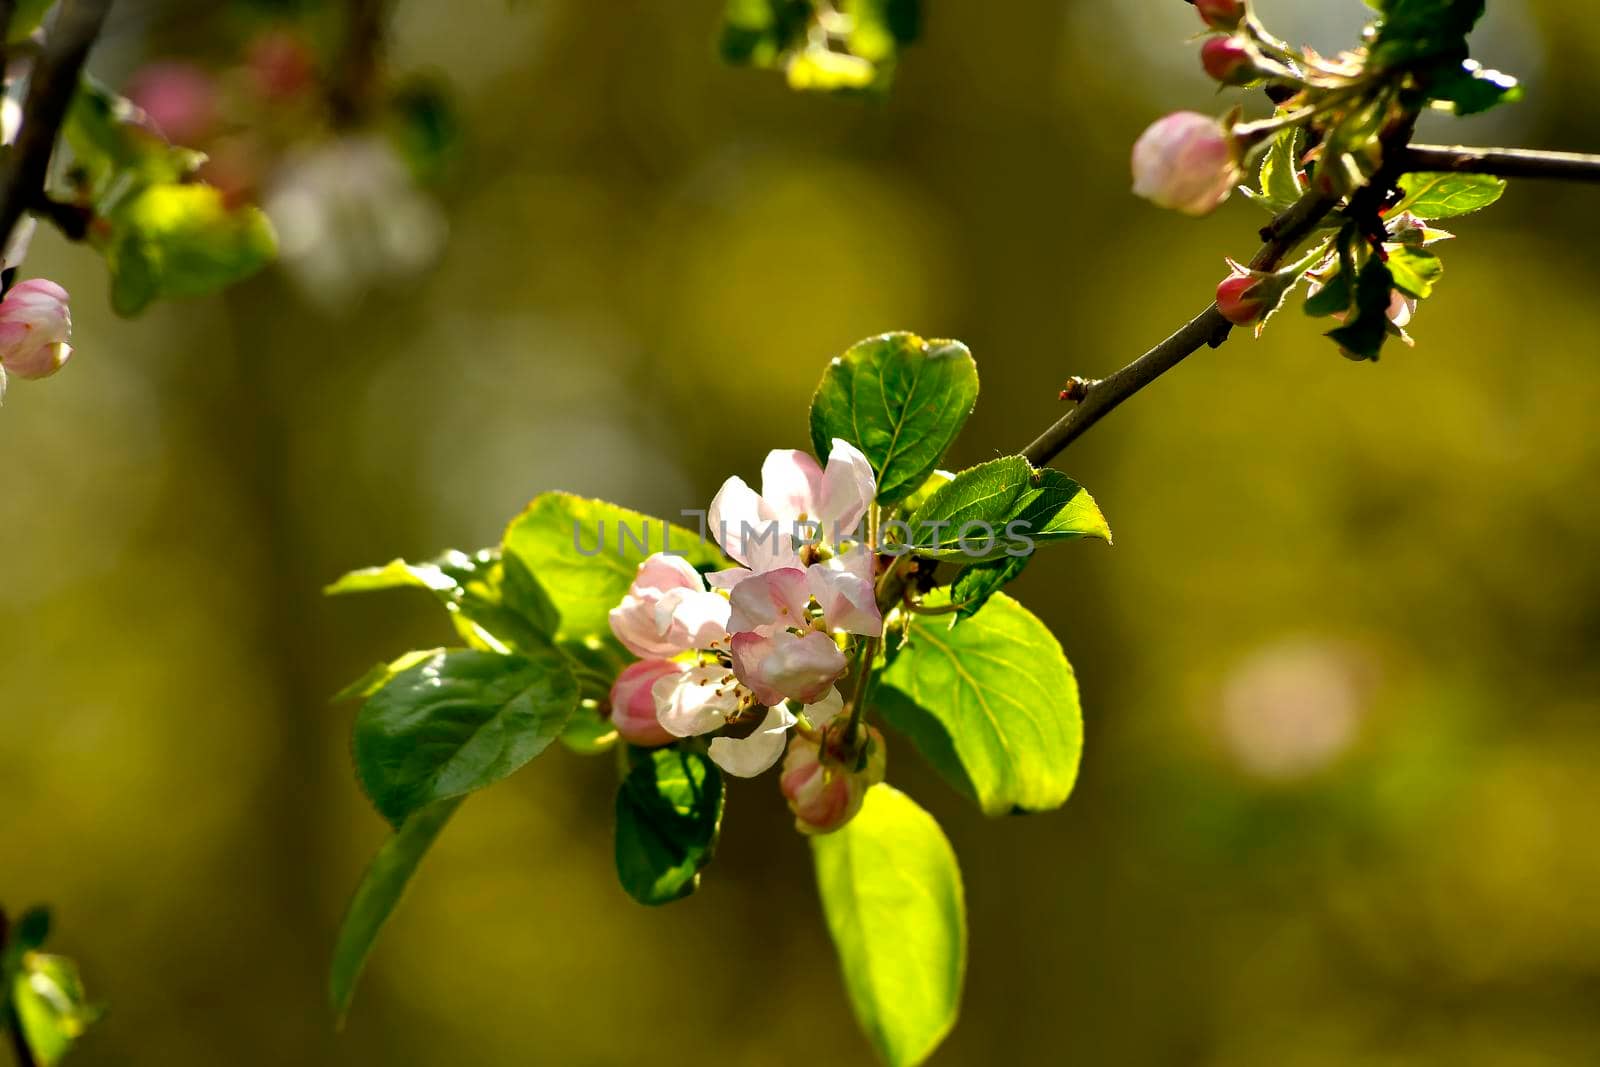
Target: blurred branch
[1503,162]
[54,80]
[1097,398]
[355,71]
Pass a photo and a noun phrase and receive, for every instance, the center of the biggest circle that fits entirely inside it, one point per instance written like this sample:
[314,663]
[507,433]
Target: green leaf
[975,504]
[182,240]
[669,813]
[52,1009]
[1332,299]
[1429,195]
[596,665]
[976,584]
[495,605]
[379,893]
[457,722]
[1362,337]
[929,735]
[1470,88]
[116,149]
[1056,508]
[929,485]
[892,896]
[850,45]
[1006,697]
[899,399]
[381,674]
[1002,508]
[1416,30]
[585,553]
[1281,181]
[1414,271]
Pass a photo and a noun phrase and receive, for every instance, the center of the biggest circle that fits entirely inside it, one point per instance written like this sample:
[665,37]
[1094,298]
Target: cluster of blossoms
[1331,121]
[753,653]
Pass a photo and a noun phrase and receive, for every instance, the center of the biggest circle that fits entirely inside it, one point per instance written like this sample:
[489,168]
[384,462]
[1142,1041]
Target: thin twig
[1503,162]
[55,79]
[1282,234]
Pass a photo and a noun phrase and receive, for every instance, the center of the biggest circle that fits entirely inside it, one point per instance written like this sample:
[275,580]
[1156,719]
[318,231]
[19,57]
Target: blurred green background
[1338,797]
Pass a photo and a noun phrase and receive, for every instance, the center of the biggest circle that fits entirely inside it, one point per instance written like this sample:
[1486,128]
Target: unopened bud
[1238,298]
[823,790]
[1221,14]
[633,705]
[1229,60]
[1187,162]
[35,326]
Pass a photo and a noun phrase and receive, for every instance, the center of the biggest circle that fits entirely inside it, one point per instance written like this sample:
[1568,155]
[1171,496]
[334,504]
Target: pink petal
[776,599]
[746,757]
[786,666]
[791,484]
[848,486]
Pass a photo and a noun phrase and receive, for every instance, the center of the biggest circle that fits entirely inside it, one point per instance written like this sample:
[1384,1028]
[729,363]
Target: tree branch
[54,80]
[1098,398]
[1502,162]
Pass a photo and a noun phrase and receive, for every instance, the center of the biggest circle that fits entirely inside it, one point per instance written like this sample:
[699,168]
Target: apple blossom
[823,792]
[35,326]
[698,700]
[785,665]
[668,610]
[798,499]
[633,703]
[1185,161]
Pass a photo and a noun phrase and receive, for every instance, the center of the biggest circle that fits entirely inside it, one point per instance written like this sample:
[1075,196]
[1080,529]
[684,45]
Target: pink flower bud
[1185,161]
[1229,60]
[35,326]
[823,793]
[179,98]
[1221,14]
[633,703]
[1238,301]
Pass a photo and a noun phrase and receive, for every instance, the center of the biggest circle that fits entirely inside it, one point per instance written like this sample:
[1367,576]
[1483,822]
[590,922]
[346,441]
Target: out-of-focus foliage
[826,45]
[43,1006]
[1338,675]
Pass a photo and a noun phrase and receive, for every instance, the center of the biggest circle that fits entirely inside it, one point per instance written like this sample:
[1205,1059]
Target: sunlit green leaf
[1003,508]
[1281,181]
[51,1007]
[899,399]
[892,896]
[1429,195]
[1414,271]
[380,674]
[456,722]
[669,813]
[182,240]
[495,605]
[585,553]
[1006,697]
[379,893]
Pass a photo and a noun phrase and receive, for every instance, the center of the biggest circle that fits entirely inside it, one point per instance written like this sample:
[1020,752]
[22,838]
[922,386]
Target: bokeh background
[1338,797]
